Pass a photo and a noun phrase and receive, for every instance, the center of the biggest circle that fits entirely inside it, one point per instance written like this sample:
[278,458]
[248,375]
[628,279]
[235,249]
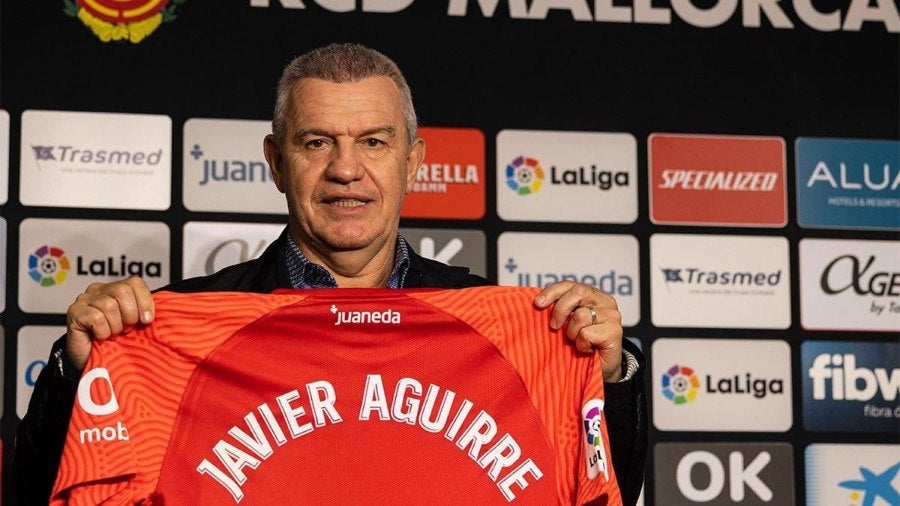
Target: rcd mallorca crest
[131,20]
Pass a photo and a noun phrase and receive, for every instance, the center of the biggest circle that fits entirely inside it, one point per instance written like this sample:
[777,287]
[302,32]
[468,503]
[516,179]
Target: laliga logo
[48,266]
[595,451]
[524,175]
[680,384]
[117,20]
[387,316]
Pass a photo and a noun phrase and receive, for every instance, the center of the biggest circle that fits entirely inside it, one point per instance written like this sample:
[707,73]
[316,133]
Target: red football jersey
[340,396]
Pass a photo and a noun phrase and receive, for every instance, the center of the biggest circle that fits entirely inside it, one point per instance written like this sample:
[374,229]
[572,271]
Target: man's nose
[345,165]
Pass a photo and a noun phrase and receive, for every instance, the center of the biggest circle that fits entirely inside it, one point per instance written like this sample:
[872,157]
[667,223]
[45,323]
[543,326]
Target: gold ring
[593,315]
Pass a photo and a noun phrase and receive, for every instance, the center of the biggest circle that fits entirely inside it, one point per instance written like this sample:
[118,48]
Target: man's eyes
[315,143]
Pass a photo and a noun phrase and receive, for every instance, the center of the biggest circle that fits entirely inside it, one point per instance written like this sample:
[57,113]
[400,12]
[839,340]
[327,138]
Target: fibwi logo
[386,316]
[117,20]
[524,175]
[680,384]
[48,266]
[592,412]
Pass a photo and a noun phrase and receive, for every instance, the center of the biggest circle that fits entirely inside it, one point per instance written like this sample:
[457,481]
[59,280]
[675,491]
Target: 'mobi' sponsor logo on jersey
[850,285]
[4,156]
[608,262]
[725,473]
[89,159]
[848,183]
[707,385]
[97,398]
[717,180]
[566,176]
[386,316]
[712,280]
[34,342]
[224,169]
[59,258]
[450,182]
[211,246]
[856,475]
[466,248]
[851,386]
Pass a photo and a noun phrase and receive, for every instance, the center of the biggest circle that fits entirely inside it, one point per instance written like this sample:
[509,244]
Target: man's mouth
[347,202]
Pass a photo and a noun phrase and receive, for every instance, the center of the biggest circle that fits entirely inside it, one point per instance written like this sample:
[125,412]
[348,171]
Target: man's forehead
[371,99]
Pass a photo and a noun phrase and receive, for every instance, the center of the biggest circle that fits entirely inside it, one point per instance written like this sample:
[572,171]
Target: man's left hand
[592,321]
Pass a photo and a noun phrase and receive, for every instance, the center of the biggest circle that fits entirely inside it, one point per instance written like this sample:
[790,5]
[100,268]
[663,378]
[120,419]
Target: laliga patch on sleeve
[594,449]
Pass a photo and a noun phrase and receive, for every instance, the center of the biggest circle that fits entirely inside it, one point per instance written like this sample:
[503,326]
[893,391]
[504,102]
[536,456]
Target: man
[344,151]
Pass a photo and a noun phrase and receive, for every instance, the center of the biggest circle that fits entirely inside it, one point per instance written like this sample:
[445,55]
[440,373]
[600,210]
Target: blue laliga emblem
[851,386]
[848,183]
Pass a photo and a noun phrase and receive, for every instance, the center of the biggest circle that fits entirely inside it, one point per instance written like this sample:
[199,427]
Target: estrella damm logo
[524,175]
[680,384]
[48,266]
[131,20]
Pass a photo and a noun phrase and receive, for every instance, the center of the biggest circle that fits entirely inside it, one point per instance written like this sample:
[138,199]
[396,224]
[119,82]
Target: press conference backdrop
[728,169]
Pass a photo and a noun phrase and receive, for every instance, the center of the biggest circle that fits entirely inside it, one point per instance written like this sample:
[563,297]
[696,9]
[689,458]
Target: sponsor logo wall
[748,227]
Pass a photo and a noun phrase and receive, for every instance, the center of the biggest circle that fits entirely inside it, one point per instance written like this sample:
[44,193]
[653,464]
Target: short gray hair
[341,63]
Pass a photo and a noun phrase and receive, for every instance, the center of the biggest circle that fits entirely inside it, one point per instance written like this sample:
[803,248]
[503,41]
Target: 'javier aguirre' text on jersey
[343,396]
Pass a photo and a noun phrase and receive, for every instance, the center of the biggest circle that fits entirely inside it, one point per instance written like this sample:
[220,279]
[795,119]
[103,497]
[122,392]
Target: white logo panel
[849,285]
[3,285]
[608,262]
[852,474]
[225,170]
[4,156]
[720,281]
[721,385]
[58,259]
[212,246]
[100,160]
[33,351]
[566,176]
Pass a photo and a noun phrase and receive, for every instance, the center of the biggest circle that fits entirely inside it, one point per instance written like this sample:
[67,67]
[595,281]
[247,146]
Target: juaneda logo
[851,386]
[48,266]
[386,316]
[112,20]
[236,171]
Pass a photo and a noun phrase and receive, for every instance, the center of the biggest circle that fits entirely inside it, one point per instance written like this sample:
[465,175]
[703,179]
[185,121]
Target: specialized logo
[237,171]
[851,386]
[717,180]
[592,412]
[873,485]
[680,384]
[848,183]
[524,175]
[112,20]
[48,266]
[386,316]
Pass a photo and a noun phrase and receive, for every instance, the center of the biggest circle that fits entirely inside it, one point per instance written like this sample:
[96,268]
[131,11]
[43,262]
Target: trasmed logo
[855,475]
[608,262]
[680,384]
[709,281]
[848,183]
[386,316]
[849,285]
[224,170]
[114,20]
[851,386]
[724,473]
[717,180]
[566,176]
[450,182]
[707,385]
[524,175]
[96,160]
[48,266]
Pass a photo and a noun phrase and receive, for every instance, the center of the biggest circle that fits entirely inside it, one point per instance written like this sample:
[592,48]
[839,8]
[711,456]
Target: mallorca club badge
[132,20]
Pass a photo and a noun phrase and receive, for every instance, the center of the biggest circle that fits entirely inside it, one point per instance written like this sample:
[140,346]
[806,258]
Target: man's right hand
[104,311]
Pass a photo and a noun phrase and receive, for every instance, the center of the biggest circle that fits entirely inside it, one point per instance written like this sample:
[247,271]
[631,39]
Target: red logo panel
[450,182]
[717,180]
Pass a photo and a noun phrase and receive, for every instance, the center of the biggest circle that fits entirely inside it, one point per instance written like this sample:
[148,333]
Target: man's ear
[273,156]
[414,161]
